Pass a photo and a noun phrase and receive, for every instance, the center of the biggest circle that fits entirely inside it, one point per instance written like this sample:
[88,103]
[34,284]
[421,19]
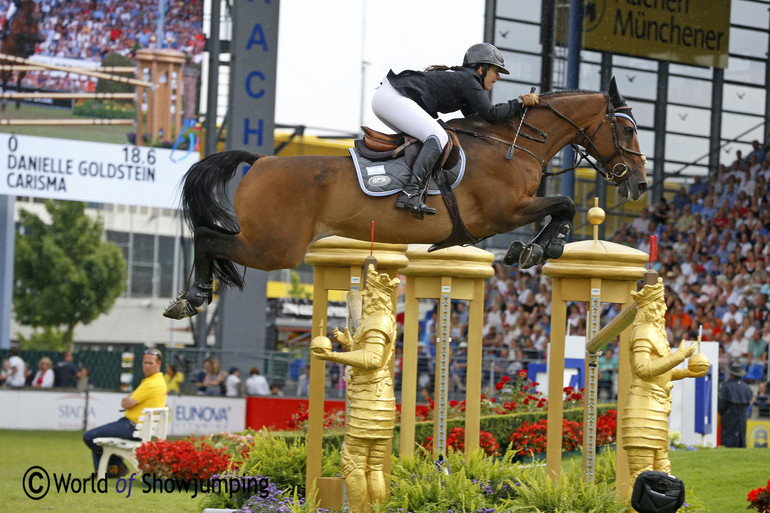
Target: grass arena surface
[720,478]
[104,134]
[63,453]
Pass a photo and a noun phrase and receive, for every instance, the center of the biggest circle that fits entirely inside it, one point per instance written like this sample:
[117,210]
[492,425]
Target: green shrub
[110,86]
[105,109]
[283,460]
[481,483]
[537,492]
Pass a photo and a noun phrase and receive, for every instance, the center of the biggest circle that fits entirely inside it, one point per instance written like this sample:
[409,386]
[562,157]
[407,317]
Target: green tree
[296,289]
[65,274]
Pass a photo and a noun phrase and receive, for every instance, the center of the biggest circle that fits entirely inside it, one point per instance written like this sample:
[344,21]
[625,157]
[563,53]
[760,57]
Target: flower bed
[456,442]
[759,499]
[189,458]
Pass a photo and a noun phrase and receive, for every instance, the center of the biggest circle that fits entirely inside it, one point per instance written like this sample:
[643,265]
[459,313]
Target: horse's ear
[615,97]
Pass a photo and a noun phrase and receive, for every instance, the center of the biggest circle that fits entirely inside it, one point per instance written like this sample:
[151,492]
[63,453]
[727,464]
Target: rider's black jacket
[451,90]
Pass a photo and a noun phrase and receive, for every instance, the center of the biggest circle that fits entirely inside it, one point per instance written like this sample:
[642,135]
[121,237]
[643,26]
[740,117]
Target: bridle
[611,174]
[582,140]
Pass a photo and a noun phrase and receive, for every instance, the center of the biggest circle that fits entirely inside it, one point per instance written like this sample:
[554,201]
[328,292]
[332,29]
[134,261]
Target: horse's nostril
[643,186]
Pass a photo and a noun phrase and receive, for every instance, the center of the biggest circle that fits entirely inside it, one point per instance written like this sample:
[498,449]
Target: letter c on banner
[258,94]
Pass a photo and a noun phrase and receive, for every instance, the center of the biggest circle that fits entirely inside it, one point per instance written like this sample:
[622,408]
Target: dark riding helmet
[484,53]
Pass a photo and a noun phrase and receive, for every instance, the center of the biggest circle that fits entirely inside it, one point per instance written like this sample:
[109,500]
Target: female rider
[411,100]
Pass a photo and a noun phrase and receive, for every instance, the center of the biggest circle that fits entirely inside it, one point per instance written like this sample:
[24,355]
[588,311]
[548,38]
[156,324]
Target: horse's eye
[628,130]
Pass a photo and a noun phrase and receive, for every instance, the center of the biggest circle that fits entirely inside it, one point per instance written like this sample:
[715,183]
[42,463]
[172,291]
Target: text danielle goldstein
[151,483]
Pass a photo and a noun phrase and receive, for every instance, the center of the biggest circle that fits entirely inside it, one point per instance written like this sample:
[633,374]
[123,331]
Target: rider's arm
[477,102]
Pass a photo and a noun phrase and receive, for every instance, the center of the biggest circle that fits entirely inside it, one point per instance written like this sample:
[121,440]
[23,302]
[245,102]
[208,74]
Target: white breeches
[401,114]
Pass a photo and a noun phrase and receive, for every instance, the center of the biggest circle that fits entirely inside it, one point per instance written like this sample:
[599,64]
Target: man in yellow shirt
[151,393]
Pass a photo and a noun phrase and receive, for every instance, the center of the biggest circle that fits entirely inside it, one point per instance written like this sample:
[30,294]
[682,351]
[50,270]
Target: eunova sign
[64,169]
[687,31]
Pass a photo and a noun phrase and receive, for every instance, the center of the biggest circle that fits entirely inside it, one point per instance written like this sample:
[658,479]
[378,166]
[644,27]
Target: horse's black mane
[617,100]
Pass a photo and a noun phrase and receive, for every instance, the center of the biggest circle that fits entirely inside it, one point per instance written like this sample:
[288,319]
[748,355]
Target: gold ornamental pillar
[446,274]
[338,265]
[594,272]
[164,104]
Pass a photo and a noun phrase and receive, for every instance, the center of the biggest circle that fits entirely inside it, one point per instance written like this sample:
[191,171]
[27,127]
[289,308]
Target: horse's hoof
[531,256]
[177,309]
[181,308]
[514,252]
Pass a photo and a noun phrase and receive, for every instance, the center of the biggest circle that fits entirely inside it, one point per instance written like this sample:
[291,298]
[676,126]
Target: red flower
[185,459]
[759,499]
[456,441]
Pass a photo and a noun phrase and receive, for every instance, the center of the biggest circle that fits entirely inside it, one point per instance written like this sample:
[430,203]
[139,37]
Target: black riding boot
[410,198]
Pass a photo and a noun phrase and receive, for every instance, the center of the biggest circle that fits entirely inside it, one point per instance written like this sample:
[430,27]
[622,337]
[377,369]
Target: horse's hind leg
[18,88]
[209,244]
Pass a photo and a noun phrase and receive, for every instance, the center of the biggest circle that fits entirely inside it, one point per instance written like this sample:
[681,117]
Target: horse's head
[24,31]
[615,146]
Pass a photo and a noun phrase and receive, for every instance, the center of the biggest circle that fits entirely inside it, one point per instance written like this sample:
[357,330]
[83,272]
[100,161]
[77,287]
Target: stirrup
[414,204]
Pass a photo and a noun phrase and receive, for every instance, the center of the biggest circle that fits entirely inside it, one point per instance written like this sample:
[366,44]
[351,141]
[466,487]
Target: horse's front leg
[549,243]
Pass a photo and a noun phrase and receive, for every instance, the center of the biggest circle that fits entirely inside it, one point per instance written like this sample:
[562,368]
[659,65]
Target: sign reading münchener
[687,31]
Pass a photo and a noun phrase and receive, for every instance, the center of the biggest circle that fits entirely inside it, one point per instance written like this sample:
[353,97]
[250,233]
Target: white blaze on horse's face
[629,171]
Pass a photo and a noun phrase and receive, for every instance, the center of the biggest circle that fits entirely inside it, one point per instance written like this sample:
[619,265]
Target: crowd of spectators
[90,30]
[16,373]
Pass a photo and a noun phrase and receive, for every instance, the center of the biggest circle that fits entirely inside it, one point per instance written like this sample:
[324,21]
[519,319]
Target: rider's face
[493,75]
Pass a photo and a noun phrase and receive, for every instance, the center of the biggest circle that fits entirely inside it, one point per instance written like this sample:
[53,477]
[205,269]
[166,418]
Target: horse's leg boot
[411,197]
[554,247]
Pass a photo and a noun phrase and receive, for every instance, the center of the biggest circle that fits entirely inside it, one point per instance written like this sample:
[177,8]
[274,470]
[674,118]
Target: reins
[493,138]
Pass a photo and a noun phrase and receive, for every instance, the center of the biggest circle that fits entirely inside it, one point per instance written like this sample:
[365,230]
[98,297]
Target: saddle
[376,145]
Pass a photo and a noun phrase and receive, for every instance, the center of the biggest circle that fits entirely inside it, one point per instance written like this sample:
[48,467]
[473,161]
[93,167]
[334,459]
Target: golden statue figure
[645,420]
[372,403]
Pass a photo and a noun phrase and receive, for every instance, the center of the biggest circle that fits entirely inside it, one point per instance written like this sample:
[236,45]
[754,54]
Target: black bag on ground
[657,492]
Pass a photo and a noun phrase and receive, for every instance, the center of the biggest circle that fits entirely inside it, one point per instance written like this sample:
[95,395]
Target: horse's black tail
[205,203]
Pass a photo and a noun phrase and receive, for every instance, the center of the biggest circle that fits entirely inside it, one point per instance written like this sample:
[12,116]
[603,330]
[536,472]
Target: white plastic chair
[153,423]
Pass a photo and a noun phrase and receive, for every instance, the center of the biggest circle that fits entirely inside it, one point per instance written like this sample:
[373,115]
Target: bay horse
[20,40]
[284,204]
